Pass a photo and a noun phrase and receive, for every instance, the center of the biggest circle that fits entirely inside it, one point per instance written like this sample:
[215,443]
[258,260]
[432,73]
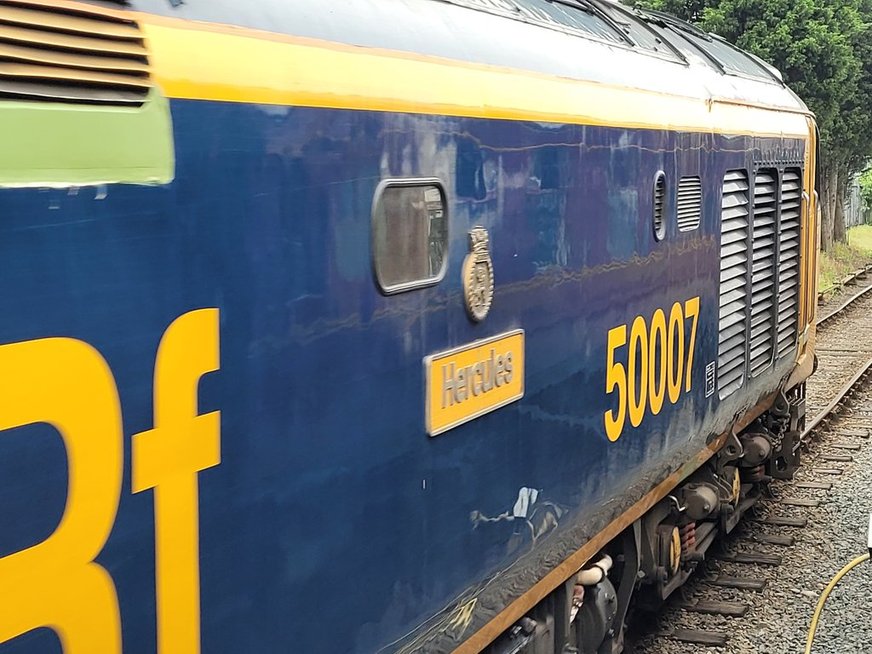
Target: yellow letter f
[168,458]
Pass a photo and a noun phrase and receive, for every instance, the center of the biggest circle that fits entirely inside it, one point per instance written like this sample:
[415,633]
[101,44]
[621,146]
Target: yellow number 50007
[656,366]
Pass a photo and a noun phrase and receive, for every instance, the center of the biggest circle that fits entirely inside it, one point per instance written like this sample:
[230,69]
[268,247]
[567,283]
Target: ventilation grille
[733,301]
[659,203]
[760,344]
[54,54]
[788,260]
[689,204]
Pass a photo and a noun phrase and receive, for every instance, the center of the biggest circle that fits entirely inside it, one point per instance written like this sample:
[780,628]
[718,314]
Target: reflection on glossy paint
[532,517]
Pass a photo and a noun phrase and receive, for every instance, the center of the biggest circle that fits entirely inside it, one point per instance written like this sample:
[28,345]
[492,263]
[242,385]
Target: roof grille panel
[733,301]
[763,260]
[688,206]
[55,54]
[788,260]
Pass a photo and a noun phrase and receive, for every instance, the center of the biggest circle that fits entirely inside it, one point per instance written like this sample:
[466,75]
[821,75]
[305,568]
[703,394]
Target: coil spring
[688,539]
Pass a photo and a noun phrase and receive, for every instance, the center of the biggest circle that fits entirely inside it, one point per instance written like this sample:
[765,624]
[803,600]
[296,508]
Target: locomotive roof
[592,40]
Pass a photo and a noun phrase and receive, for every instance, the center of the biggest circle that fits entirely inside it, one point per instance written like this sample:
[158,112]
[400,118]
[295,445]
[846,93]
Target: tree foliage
[824,52]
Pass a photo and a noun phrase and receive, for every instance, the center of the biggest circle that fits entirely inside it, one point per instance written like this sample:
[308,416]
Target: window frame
[383,186]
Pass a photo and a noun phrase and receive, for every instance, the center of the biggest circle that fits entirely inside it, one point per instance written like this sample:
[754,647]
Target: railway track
[837,304]
[843,347]
[838,288]
[757,591]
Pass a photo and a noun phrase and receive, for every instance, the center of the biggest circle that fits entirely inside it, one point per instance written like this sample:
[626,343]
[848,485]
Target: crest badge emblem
[478,275]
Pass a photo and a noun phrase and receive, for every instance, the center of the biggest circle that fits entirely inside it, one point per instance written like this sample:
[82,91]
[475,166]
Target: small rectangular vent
[57,54]
[659,201]
[688,206]
[788,259]
[763,264]
[733,302]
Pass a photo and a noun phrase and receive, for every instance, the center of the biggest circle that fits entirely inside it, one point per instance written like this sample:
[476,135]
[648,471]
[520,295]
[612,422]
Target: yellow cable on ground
[826,594]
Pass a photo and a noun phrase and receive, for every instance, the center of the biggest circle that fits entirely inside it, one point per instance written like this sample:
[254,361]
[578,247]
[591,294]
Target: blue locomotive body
[333,521]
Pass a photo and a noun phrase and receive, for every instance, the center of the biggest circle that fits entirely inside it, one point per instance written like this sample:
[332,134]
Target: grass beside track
[845,258]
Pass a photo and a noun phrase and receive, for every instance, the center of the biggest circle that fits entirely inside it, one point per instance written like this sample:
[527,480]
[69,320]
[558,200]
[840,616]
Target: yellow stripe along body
[201,61]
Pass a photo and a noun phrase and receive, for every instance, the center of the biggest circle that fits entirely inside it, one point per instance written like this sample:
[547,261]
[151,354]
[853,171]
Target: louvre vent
[760,346]
[659,204]
[733,301]
[689,204]
[788,260]
[56,54]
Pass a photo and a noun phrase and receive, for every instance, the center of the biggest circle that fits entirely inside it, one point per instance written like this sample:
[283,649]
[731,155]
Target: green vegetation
[845,258]
[866,187]
[824,52]
[860,238]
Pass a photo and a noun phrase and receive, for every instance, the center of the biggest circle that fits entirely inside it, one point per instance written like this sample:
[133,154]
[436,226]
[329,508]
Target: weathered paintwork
[333,522]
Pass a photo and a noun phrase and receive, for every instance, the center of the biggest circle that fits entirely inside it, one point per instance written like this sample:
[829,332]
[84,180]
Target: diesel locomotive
[386,325]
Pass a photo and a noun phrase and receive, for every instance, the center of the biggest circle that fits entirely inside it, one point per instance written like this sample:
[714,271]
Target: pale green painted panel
[47,144]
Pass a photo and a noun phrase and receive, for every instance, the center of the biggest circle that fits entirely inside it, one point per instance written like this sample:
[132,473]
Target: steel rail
[840,285]
[844,305]
[828,409]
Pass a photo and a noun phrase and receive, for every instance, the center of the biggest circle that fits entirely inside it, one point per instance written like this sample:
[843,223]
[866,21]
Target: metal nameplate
[472,380]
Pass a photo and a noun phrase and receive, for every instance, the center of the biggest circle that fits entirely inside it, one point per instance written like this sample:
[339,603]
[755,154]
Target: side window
[409,234]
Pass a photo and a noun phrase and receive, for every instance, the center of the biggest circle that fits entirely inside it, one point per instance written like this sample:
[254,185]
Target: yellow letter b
[55,583]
